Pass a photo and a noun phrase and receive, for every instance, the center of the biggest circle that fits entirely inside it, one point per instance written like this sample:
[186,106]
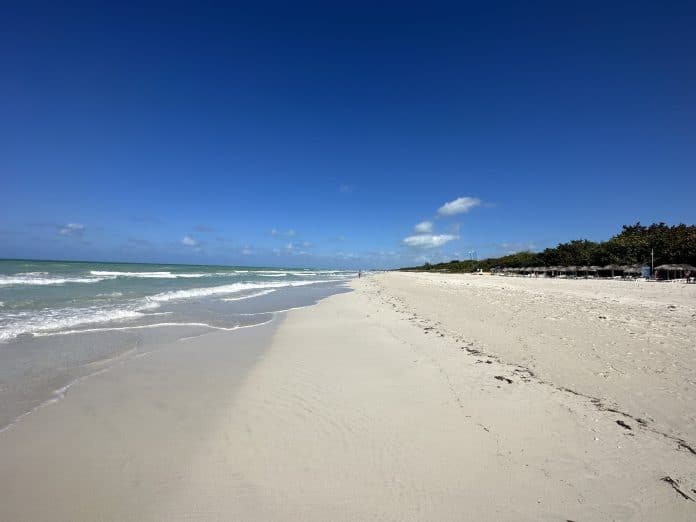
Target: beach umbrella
[688,268]
[664,267]
[613,268]
[681,267]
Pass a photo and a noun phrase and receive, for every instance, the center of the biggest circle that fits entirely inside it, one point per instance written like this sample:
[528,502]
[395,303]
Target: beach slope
[369,407]
[414,397]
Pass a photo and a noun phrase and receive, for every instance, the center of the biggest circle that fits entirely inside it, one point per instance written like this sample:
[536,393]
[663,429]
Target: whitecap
[250,296]
[224,289]
[58,319]
[146,275]
[41,280]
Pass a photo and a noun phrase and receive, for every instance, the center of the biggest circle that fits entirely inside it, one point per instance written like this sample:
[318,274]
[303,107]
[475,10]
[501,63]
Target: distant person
[359,274]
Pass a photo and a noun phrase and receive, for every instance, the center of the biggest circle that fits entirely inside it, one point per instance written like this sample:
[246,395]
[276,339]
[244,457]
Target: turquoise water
[46,297]
[61,322]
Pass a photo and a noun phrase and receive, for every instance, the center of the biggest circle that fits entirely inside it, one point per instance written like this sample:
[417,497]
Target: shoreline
[392,402]
[115,444]
[36,368]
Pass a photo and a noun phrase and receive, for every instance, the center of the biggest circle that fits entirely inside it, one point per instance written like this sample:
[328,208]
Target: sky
[356,135]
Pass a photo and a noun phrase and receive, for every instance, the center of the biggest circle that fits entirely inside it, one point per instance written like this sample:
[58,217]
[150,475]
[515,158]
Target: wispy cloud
[346,189]
[424,227]
[189,241]
[72,229]
[203,228]
[277,233]
[428,240]
[458,206]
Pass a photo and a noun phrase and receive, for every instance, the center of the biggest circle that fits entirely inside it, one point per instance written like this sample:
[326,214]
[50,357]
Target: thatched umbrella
[681,267]
[573,269]
[667,268]
[613,268]
[628,269]
[688,268]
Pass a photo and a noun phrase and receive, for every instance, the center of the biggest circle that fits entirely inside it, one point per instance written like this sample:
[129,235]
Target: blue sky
[315,135]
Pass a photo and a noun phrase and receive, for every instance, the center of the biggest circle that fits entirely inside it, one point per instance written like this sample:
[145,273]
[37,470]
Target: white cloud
[189,241]
[428,240]
[72,229]
[458,206]
[424,227]
[277,233]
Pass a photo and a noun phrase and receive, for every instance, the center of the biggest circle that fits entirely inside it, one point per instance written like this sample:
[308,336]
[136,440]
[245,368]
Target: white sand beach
[414,397]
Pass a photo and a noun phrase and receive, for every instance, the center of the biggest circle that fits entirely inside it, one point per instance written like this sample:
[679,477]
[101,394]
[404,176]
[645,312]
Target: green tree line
[633,245]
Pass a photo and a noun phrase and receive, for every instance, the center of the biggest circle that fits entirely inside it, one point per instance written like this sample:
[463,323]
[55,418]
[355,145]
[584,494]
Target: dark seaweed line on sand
[526,375]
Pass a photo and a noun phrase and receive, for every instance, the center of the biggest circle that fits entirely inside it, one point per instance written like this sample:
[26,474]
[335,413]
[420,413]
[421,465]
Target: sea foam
[41,279]
[147,275]
[54,321]
[232,288]
[58,319]
[250,296]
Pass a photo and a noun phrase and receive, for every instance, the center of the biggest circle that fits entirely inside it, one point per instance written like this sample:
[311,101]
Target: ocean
[62,321]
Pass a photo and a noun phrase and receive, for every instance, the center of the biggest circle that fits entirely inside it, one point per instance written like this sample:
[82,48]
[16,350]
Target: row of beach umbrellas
[626,269]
